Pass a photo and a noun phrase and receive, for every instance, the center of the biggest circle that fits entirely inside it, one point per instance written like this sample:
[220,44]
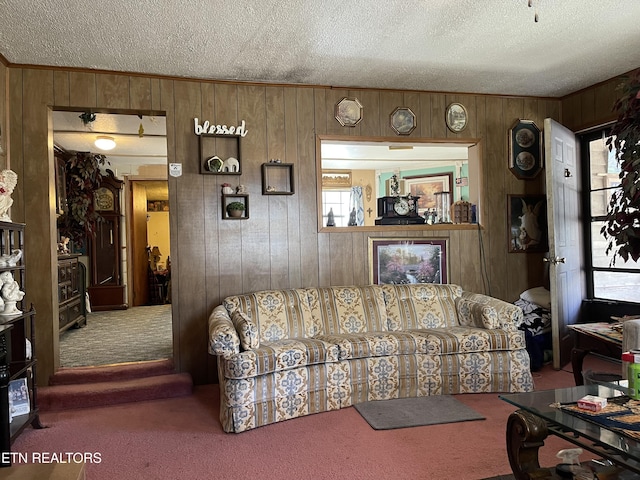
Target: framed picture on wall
[525,150]
[407,260]
[527,223]
[61,185]
[426,187]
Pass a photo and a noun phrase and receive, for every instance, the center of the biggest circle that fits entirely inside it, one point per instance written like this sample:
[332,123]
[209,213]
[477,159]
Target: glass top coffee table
[538,416]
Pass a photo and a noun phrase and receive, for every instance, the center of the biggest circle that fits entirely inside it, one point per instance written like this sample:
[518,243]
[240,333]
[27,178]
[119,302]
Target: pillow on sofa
[538,295]
[471,313]
[247,330]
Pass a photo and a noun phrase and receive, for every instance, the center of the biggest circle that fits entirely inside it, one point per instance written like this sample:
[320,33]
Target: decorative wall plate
[525,150]
[402,120]
[349,112]
[456,117]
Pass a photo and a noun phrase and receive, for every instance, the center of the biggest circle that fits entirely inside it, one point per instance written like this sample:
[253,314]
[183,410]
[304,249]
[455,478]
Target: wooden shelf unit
[71,292]
[17,347]
[235,197]
[222,146]
[277,179]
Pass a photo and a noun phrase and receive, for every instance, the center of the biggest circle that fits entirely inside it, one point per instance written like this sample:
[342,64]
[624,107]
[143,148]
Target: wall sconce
[105,143]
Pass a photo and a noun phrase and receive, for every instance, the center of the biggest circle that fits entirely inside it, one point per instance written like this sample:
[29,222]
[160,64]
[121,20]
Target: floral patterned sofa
[287,353]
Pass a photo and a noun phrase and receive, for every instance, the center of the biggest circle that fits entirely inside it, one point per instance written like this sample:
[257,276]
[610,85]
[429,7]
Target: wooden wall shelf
[235,197]
[277,179]
[220,154]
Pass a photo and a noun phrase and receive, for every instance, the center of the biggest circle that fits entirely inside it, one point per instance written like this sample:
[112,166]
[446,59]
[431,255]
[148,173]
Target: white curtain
[357,203]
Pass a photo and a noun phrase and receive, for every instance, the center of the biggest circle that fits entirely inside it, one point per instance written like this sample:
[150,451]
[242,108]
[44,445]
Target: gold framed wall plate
[348,111]
[456,117]
[402,121]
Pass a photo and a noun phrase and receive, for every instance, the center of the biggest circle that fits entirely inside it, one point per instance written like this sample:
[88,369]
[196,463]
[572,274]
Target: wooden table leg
[577,359]
[525,435]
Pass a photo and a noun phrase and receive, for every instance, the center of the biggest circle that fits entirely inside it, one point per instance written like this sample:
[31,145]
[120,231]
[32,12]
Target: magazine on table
[18,398]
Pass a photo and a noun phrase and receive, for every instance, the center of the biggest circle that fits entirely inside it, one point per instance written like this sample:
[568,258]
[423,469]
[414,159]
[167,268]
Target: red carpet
[181,438]
[66,376]
[84,387]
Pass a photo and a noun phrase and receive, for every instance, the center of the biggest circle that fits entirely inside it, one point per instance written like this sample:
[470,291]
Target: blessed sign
[211,129]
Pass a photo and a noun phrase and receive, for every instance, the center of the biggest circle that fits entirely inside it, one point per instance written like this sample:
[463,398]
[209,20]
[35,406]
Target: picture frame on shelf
[403,121]
[525,150]
[527,223]
[426,186]
[61,185]
[408,260]
[19,403]
[348,111]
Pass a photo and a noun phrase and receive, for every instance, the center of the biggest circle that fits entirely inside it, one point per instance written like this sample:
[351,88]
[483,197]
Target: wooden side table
[600,338]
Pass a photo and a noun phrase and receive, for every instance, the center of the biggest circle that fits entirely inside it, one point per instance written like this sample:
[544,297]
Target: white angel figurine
[8,181]
[10,293]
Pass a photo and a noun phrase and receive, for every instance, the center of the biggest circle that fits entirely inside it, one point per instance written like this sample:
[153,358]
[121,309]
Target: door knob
[555,260]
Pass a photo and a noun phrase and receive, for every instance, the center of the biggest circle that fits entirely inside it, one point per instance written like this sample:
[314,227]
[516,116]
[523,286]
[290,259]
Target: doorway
[141,328]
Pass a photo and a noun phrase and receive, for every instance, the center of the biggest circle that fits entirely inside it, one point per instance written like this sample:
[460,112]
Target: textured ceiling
[478,46]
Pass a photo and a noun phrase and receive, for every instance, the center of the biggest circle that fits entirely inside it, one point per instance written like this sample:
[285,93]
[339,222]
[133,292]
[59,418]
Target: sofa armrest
[223,338]
[488,312]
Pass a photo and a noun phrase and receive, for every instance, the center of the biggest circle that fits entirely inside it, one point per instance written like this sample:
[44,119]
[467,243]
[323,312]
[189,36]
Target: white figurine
[11,260]
[10,293]
[63,246]
[8,181]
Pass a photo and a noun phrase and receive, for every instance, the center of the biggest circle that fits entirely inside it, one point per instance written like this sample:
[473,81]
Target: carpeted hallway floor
[119,336]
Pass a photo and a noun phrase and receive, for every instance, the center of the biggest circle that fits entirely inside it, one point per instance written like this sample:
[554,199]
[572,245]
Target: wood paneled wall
[591,106]
[4,120]
[279,246]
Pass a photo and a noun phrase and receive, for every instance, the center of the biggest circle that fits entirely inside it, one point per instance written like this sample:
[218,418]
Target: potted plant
[622,225]
[235,209]
[83,177]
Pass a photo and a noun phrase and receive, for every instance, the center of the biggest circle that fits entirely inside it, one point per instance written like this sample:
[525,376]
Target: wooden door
[140,261]
[565,245]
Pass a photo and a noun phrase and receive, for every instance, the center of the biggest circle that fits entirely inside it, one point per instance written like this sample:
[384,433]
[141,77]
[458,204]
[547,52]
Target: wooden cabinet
[106,288]
[71,293]
[17,348]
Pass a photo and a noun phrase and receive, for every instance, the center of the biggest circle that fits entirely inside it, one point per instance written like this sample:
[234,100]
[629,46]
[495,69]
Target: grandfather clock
[106,290]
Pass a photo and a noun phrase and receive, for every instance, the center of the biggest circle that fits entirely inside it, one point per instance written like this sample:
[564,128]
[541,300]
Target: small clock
[401,206]
[104,199]
[398,210]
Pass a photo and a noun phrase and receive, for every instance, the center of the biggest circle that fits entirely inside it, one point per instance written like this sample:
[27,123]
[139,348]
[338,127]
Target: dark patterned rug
[413,412]
[119,336]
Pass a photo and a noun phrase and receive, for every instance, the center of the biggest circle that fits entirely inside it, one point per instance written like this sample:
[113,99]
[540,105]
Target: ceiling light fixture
[105,143]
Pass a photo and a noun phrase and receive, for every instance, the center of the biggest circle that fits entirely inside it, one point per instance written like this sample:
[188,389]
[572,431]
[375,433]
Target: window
[605,280]
[337,201]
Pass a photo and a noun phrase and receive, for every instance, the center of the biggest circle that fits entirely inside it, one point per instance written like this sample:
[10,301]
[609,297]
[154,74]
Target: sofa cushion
[247,330]
[373,344]
[278,314]
[445,341]
[422,305]
[341,310]
[279,356]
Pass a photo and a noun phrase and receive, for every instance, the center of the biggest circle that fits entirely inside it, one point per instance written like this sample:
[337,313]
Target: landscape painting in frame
[407,260]
[426,186]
